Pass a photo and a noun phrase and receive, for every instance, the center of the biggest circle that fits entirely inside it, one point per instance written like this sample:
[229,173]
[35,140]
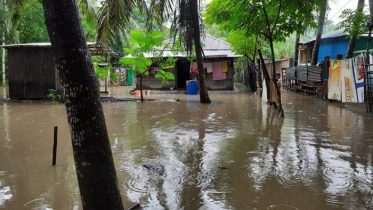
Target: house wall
[32,72]
[280,64]
[361,46]
[303,56]
[227,84]
[156,83]
[332,47]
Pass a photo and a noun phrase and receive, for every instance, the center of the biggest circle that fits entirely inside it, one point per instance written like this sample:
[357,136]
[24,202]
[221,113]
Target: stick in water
[55,145]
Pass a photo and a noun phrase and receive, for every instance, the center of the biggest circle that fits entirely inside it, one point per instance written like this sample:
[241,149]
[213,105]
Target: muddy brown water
[232,154]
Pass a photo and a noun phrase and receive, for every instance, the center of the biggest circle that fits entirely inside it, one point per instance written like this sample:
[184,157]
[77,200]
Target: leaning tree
[320,28]
[274,20]
[92,152]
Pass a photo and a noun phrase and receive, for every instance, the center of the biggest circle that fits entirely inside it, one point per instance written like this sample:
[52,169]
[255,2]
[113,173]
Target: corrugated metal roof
[95,48]
[212,43]
[209,42]
[212,47]
[207,53]
[333,34]
[40,44]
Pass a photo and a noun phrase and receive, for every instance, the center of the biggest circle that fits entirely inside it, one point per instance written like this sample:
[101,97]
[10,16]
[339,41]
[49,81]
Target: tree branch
[266,15]
[278,16]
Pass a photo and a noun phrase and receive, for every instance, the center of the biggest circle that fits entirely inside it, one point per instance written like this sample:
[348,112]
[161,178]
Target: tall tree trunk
[266,77]
[3,59]
[274,78]
[3,49]
[353,40]
[203,93]
[92,152]
[296,51]
[142,97]
[320,24]
[259,75]
[370,24]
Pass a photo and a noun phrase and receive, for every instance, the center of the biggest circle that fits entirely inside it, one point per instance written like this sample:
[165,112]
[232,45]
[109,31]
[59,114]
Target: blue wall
[333,46]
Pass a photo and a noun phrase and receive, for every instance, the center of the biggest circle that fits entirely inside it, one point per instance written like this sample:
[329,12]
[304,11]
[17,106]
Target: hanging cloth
[208,67]
[194,67]
[218,73]
[273,94]
[225,66]
[124,74]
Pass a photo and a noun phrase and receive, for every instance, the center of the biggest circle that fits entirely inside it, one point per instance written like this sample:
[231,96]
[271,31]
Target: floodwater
[232,154]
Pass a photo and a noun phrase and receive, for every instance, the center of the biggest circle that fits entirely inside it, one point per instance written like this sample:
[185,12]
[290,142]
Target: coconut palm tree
[187,22]
[353,39]
[320,24]
[90,141]
[115,14]
[296,51]
[370,24]
[2,25]
[92,152]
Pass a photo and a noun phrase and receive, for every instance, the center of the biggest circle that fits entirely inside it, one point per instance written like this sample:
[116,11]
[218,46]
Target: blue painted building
[333,45]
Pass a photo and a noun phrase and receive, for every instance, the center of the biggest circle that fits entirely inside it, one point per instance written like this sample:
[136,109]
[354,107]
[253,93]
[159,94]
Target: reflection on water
[233,154]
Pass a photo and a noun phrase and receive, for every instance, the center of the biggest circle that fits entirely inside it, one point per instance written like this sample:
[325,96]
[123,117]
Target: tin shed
[32,70]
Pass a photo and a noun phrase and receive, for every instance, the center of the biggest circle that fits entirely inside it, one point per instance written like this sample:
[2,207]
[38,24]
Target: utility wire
[340,9]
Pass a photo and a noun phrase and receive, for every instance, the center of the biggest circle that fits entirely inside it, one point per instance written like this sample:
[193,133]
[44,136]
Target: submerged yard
[232,154]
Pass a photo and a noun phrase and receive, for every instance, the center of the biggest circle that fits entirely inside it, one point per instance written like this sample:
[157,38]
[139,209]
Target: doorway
[182,73]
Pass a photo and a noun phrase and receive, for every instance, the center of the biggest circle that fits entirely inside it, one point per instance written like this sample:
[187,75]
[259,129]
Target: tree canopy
[275,19]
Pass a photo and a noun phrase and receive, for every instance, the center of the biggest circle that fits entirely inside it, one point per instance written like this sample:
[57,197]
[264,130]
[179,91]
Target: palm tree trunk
[3,59]
[3,49]
[274,78]
[296,51]
[353,40]
[321,21]
[92,152]
[370,25]
[203,93]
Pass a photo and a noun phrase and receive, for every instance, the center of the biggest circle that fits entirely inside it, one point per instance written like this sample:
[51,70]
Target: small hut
[32,70]
[216,52]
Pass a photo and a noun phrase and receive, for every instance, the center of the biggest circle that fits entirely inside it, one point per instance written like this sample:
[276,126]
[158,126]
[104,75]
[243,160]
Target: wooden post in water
[55,145]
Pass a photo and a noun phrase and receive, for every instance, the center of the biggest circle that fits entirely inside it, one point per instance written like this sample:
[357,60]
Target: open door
[182,73]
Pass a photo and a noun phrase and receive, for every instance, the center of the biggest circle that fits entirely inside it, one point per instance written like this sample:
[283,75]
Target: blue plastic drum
[192,88]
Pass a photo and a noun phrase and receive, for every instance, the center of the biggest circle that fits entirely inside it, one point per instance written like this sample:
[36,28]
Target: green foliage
[285,49]
[146,50]
[242,44]
[355,22]
[53,96]
[164,65]
[214,30]
[115,76]
[102,71]
[90,30]
[26,23]
[272,19]
[310,33]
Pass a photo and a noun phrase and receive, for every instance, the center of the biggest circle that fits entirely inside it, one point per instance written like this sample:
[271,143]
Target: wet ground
[232,154]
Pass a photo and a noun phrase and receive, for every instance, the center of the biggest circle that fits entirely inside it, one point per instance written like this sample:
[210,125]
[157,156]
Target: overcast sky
[337,6]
